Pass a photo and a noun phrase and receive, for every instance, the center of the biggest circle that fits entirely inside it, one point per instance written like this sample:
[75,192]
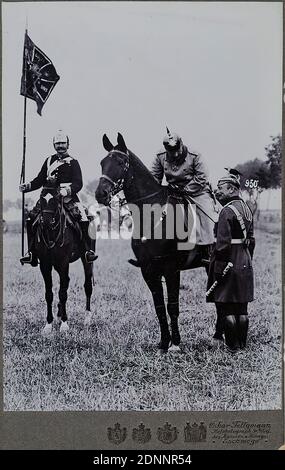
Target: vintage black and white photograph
[141,154]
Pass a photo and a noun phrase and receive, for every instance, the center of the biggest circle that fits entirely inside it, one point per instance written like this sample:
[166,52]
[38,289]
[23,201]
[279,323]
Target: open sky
[210,71]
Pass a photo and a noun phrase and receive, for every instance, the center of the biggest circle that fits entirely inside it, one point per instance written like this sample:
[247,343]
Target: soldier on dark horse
[57,227]
[186,175]
[63,172]
[159,256]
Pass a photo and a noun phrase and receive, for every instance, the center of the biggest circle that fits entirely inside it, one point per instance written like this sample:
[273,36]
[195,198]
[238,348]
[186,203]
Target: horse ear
[121,143]
[107,144]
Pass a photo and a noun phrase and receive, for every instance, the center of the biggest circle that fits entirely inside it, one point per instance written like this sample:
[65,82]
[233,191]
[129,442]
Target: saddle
[71,213]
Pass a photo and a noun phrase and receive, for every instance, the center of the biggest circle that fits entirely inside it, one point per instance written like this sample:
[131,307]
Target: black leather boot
[30,257]
[242,321]
[89,243]
[231,333]
[219,327]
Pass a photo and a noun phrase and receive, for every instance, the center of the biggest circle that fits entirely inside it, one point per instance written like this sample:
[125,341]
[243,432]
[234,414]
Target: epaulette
[68,159]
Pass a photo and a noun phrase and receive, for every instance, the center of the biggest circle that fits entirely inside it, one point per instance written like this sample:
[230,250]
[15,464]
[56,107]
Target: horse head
[115,168]
[50,207]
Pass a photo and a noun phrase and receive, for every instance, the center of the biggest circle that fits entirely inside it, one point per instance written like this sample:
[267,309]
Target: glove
[25,187]
[63,192]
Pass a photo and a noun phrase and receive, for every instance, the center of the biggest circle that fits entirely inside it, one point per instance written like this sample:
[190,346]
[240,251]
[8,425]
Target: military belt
[234,241]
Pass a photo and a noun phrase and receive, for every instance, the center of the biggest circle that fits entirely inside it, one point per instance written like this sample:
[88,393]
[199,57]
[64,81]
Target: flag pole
[23,176]
[24,150]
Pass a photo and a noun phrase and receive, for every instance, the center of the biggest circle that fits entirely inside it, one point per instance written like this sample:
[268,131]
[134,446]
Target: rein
[119,184]
[61,231]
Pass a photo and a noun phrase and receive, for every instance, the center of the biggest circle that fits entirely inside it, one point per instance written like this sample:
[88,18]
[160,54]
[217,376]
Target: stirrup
[29,259]
[90,256]
[205,262]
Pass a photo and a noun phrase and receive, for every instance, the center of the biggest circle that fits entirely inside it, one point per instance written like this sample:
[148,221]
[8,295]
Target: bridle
[118,185]
[60,225]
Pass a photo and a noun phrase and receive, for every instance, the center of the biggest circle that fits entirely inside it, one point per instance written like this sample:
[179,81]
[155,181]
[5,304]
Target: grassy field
[114,364]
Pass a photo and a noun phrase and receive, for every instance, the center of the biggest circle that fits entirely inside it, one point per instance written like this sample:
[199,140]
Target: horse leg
[153,280]
[46,272]
[88,273]
[173,285]
[62,294]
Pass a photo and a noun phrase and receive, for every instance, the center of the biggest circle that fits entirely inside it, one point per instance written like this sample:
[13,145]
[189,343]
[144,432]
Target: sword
[225,271]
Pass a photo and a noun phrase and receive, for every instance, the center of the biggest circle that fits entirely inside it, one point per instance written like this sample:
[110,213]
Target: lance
[224,273]
[22,178]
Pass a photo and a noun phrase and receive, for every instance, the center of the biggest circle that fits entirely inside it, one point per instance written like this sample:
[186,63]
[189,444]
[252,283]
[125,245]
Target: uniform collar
[62,157]
[233,198]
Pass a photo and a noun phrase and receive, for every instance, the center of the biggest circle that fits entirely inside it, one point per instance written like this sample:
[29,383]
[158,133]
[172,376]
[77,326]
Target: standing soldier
[62,171]
[234,244]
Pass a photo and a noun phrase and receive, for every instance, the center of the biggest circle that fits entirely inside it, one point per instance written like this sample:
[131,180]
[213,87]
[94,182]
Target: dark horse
[56,245]
[158,258]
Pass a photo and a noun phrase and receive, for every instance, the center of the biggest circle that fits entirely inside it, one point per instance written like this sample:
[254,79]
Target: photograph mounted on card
[142,280]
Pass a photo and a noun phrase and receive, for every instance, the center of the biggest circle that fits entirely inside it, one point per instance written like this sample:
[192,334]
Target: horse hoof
[87,318]
[64,327]
[174,348]
[47,330]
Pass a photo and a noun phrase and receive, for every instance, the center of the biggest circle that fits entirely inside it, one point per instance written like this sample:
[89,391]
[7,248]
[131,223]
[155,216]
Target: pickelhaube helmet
[172,141]
[61,137]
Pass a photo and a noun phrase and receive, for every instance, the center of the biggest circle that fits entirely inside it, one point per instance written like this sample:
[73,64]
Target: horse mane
[140,167]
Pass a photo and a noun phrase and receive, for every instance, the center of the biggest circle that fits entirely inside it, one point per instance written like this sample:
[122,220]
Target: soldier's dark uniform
[68,172]
[60,171]
[236,245]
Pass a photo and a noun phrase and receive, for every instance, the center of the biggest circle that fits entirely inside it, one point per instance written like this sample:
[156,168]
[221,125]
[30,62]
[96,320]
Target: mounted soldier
[63,172]
[187,177]
[231,266]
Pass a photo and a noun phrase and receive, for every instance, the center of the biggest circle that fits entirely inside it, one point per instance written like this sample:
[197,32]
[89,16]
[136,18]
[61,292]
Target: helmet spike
[168,132]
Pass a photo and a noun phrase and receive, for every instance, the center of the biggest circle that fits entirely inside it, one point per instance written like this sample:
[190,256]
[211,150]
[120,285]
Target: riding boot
[205,254]
[219,327]
[231,333]
[242,321]
[30,257]
[89,243]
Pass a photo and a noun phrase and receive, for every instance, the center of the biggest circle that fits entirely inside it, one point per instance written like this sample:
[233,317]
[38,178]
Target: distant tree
[258,175]
[28,201]
[274,161]
[255,175]
[7,204]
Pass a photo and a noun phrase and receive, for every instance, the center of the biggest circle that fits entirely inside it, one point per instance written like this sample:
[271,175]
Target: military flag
[39,76]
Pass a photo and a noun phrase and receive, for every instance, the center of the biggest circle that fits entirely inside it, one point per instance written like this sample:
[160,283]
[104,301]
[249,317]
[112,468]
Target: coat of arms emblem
[141,434]
[167,434]
[195,433]
[117,435]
